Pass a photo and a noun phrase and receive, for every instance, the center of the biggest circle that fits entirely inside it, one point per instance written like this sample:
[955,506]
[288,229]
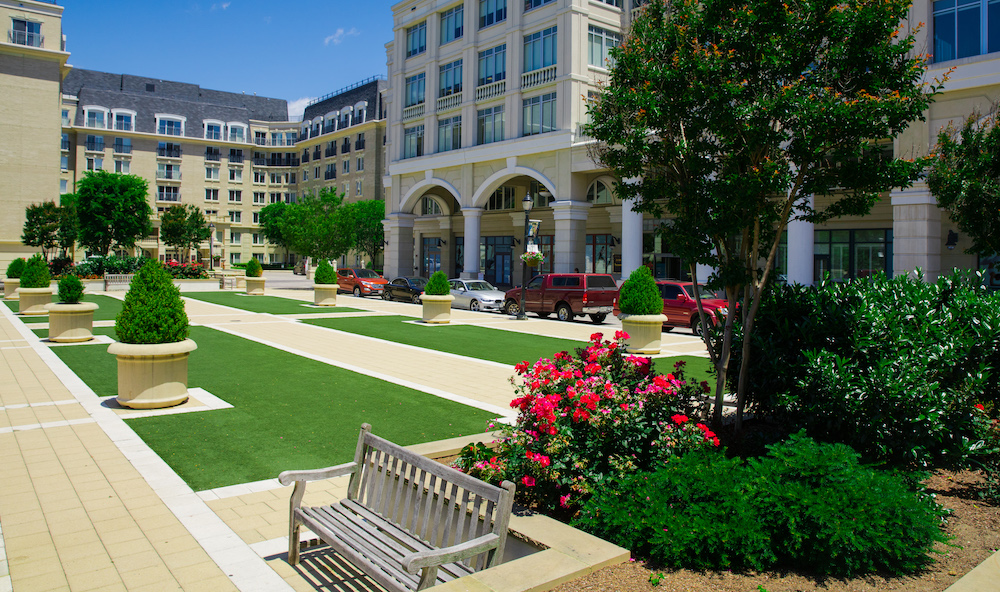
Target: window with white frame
[63,185]
[96,117]
[25,32]
[599,193]
[123,166]
[502,199]
[123,145]
[234,257]
[213,130]
[964,28]
[258,239]
[492,65]
[452,24]
[346,166]
[275,197]
[235,196]
[211,195]
[95,143]
[65,118]
[211,173]
[95,164]
[413,141]
[170,125]
[235,238]
[490,125]
[492,12]
[305,175]
[64,162]
[357,188]
[124,120]
[600,41]
[259,198]
[615,3]
[539,114]
[360,165]
[259,176]
[416,39]
[164,193]
[166,170]
[414,90]
[530,4]
[450,78]
[540,49]
[236,174]
[430,207]
[235,216]
[450,133]
[256,217]
[237,132]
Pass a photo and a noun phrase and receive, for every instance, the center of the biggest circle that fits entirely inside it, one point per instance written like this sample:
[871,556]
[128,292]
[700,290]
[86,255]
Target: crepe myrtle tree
[727,115]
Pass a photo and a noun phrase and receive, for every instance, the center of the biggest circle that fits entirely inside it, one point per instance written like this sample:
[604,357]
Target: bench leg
[428,577]
[293,542]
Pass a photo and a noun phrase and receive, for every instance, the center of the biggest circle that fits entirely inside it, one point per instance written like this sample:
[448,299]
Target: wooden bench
[117,279]
[404,514]
[230,281]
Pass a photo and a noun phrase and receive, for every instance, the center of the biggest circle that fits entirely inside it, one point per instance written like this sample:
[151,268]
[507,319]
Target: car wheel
[386,295]
[564,313]
[415,299]
[357,291]
[696,327]
[511,307]
[598,318]
[474,306]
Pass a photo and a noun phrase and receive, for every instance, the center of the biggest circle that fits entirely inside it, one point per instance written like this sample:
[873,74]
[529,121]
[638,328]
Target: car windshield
[481,286]
[707,294]
[418,282]
[366,273]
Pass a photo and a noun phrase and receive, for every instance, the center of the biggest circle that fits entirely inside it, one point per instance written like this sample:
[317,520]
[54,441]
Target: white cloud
[297,107]
[339,35]
[221,6]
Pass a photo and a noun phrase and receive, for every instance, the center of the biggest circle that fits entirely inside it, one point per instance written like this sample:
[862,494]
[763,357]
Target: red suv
[681,308]
[362,282]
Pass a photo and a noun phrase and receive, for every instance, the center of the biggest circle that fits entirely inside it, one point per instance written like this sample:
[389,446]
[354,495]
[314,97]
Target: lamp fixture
[527,202]
[952,240]
[441,241]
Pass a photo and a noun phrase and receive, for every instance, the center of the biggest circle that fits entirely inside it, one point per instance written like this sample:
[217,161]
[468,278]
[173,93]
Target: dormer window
[170,125]
[96,117]
[237,132]
[213,130]
[24,32]
[124,121]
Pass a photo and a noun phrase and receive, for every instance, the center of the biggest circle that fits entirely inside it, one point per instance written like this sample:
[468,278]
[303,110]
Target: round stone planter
[325,295]
[644,333]
[33,300]
[152,375]
[70,323]
[10,286]
[255,286]
[437,309]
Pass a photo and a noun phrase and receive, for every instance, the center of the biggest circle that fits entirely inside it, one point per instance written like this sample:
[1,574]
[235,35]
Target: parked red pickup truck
[568,295]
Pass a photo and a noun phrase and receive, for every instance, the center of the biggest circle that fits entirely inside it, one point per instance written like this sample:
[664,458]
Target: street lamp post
[211,245]
[526,204]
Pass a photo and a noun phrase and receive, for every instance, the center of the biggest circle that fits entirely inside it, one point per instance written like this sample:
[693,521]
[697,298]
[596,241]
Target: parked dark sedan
[405,288]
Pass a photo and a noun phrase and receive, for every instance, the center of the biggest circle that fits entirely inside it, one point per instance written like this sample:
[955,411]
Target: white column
[399,254]
[631,238]
[470,266]
[800,251]
[916,232]
[571,235]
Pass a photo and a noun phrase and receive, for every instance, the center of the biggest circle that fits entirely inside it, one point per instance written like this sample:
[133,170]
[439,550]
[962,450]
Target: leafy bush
[438,285]
[639,295]
[98,266]
[15,268]
[585,419]
[253,268]
[891,367]
[324,273]
[806,505]
[70,289]
[153,311]
[60,266]
[188,271]
[36,273]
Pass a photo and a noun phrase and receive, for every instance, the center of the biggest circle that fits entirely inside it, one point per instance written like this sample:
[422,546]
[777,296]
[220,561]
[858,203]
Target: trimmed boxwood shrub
[36,273]
[805,505]
[70,290]
[639,295]
[438,285]
[15,268]
[253,268]
[153,311]
[324,273]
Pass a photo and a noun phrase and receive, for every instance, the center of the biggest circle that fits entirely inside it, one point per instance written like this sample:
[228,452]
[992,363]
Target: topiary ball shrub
[438,285]
[640,295]
[15,268]
[325,273]
[70,289]
[253,268]
[153,311]
[36,273]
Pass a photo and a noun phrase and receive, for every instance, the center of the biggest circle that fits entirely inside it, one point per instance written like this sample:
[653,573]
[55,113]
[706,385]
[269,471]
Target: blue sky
[295,50]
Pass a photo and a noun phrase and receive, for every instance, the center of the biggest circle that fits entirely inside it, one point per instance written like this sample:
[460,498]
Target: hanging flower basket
[533,258]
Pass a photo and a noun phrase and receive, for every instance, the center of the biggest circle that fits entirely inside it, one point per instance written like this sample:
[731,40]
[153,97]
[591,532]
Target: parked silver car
[475,295]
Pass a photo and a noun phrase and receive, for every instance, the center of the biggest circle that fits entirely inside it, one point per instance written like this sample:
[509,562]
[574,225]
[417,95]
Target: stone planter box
[152,375]
[644,333]
[70,323]
[325,295]
[255,286]
[10,286]
[33,300]
[437,309]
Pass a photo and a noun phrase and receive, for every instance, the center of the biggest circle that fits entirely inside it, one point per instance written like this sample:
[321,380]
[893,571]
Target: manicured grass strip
[696,368]
[109,308]
[265,304]
[289,412]
[484,343]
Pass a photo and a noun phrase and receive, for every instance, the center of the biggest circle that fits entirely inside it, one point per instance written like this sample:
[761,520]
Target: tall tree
[727,115]
[183,227]
[369,234]
[272,217]
[964,176]
[112,209]
[318,226]
[69,226]
[41,227]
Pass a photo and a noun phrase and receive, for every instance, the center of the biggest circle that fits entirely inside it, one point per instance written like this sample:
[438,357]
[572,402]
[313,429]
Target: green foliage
[805,505]
[272,218]
[964,176]
[70,289]
[437,285]
[36,273]
[369,234]
[112,209]
[892,367]
[253,268]
[69,224]
[639,295]
[153,311]
[318,226]
[325,273]
[41,226]
[183,227]
[98,266]
[15,268]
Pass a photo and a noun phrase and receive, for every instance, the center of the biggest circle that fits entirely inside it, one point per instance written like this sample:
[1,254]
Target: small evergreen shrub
[36,273]
[325,273]
[253,268]
[70,290]
[805,505]
[153,311]
[15,268]
[639,295]
[438,285]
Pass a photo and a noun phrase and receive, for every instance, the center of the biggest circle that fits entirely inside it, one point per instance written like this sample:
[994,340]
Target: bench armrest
[435,557]
[289,477]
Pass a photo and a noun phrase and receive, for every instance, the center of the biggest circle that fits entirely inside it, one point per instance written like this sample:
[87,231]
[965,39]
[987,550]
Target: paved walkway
[86,505]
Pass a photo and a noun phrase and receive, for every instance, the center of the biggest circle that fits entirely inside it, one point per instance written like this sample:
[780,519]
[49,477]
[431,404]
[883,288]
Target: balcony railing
[169,175]
[123,148]
[65,145]
[281,162]
[168,196]
[330,175]
[540,76]
[413,111]
[213,156]
[305,156]
[25,38]
[123,126]
[95,146]
[317,153]
[169,152]
[330,152]
[260,162]
[329,128]
[449,102]
[359,145]
[236,158]
[491,90]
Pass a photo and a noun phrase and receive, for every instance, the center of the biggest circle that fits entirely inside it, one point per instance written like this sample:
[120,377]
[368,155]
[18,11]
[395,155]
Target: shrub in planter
[639,295]
[36,273]
[15,268]
[325,273]
[70,290]
[153,311]
[69,319]
[13,281]
[253,268]
[436,299]
[438,285]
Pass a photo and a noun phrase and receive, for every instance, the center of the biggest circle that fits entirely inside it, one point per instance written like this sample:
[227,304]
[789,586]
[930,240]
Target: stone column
[399,254]
[470,266]
[571,235]
[800,251]
[916,232]
[631,239]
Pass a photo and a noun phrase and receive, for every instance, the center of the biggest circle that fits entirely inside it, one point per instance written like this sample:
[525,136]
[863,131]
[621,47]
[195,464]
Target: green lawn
[289,412]
[109,308]
[264,304]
